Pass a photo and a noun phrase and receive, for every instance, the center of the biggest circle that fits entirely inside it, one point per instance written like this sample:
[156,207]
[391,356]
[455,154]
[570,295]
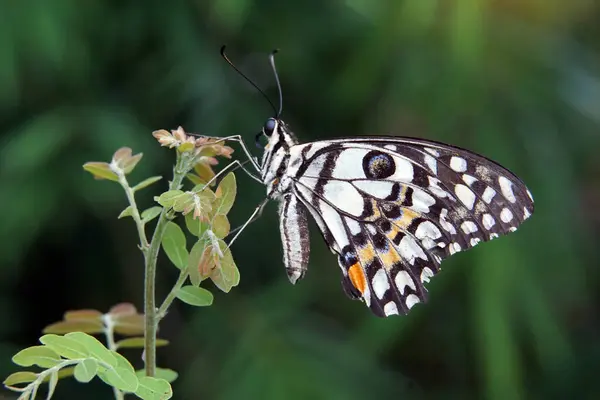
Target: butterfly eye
[269,126]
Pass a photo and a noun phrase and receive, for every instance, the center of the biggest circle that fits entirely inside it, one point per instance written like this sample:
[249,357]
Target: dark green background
[518,81]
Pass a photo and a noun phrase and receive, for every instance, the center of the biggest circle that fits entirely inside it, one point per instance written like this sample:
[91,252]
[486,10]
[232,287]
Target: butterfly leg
[230,166]
[255,215]
[238,139]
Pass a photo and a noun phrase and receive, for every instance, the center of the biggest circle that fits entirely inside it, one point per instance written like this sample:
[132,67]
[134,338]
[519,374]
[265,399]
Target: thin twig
[135,213]
[162,310]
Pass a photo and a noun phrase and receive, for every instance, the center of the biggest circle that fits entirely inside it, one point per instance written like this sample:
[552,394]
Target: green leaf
[163,373]
[62,327]
[65,346]
[121,378]
[200,203]
[151,213]
[122,362]
[184,203]
[96,349]
[138,343]
[86,370]
[195,296]
[41,356]
[168,198]
[100,170]
[52,381]
[225,275]
[128,212]
[203,202]
[173,243]
[221,226]
[20,377]
[153,389]
[146,182]
[196,226]
[225,192]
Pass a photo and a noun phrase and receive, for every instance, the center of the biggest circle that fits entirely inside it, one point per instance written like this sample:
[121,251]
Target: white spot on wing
[454,248]
[378,189]
[402,280]
[411,300]
[316,167]
[426,274]
[526,213]
[315,147]
[344,196]
[334,223]
[421,201]
[435,188]
[404,170]
[488,221]
[390,308]
[353,226]
[506,188]
[474,241]
[506,215]
[449,227]
[380,283]
[458,164]
[469,227]
[488,194]
[349,164]
[431,163]
[465,195]
[469,179]
[409,250]
[493,236]
[427,229]
[428,243]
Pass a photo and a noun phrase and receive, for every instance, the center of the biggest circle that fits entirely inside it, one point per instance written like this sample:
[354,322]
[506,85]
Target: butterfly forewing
[394,208]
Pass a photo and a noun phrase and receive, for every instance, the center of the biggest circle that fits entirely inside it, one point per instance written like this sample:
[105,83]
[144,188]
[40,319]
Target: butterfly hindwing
[393,209]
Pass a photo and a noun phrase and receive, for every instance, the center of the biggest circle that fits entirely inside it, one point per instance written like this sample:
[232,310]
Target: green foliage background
[518,81]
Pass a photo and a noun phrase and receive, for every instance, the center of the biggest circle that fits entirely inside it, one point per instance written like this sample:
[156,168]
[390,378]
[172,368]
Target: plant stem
[162,310]
[109,333]
[135,213]
[151,320]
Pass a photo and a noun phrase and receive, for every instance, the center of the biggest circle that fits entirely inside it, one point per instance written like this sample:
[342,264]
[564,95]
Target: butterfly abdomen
[293,220]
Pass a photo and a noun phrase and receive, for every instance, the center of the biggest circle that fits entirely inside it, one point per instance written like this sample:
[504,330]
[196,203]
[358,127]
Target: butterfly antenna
[246,78]
[272,61]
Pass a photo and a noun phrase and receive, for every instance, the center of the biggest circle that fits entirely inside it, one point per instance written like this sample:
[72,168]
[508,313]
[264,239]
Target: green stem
[162,310]
[135,213]
[151,320]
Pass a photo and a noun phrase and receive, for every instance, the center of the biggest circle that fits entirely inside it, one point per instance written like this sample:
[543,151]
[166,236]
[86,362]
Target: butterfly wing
[393,208]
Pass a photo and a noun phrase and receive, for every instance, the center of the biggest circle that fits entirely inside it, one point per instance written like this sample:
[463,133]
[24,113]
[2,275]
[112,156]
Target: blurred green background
[515,80]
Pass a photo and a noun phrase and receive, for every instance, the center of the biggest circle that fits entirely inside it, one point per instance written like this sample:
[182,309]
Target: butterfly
[390,208]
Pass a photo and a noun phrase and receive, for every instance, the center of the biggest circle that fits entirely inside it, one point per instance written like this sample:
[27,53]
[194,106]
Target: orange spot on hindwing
[357,278]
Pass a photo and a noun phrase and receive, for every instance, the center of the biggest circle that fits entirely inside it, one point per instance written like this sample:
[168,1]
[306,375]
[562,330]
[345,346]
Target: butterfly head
[276,153]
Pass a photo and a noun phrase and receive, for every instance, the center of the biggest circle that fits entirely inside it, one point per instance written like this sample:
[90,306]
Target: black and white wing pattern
[393,208]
